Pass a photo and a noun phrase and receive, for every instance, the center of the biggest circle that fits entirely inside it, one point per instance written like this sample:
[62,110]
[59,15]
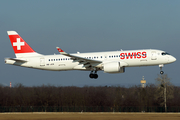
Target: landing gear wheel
[161,66]
[161,72]
[95,76]
[91,75]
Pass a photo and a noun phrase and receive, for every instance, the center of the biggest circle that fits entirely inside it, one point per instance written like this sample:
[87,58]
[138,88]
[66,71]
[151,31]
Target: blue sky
[89,26]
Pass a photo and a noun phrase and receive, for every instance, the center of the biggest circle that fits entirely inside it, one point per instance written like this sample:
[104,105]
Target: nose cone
[172,59]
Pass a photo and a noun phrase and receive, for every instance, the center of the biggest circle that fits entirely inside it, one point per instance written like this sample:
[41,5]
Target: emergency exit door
[153,55]
[42,62]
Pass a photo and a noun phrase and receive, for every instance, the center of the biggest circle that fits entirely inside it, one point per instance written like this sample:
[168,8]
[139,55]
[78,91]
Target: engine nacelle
[113,67]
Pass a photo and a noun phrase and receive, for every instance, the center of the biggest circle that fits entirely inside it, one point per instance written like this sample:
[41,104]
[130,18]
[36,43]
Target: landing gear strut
[161,72]
[93,75]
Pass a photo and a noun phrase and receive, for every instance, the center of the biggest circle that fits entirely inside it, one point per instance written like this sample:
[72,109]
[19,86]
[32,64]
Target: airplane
[109,62]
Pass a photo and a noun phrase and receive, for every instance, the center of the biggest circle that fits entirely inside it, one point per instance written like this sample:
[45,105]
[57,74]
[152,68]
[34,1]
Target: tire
[95,76]
[91,75]
[161,72]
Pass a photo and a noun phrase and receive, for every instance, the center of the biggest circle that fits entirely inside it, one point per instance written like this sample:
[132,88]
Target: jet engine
[113,67]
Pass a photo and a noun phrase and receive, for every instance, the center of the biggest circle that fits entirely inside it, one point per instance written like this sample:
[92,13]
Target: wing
[86,62]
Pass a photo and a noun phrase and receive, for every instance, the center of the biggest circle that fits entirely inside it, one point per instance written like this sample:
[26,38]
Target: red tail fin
[21,48]
[18,44]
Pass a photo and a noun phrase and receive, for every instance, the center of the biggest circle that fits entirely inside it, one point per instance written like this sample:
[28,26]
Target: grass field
[89,116]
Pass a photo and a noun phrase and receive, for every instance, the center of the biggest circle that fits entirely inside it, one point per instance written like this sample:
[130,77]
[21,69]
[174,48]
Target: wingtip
[59,49]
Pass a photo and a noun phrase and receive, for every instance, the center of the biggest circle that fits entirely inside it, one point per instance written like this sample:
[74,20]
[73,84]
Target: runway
[88,116]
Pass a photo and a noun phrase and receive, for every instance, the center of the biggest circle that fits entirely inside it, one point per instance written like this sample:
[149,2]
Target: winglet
[60,50]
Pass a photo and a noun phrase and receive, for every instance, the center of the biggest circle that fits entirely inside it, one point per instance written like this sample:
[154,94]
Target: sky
[89,26]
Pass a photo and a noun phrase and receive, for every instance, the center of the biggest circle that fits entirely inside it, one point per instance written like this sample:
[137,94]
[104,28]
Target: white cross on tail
[18,44]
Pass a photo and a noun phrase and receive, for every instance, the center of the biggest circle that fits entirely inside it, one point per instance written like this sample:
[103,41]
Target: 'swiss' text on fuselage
[136,55]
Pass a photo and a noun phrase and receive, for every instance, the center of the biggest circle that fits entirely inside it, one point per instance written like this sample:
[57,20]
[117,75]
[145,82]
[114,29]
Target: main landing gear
[93,75]
[161,72]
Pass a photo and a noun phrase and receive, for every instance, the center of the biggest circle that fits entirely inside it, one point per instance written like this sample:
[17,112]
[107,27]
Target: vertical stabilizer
[20,47]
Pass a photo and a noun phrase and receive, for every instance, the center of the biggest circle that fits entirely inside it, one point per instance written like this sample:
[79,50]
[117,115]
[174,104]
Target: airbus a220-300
[109,62]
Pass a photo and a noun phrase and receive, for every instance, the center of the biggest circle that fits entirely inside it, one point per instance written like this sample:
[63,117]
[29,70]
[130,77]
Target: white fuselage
[130,58]
[109,62]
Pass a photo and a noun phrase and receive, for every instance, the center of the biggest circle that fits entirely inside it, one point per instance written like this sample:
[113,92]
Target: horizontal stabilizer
[15,59]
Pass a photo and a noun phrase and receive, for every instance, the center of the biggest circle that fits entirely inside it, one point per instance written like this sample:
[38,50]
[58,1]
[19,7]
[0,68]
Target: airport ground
[89,116]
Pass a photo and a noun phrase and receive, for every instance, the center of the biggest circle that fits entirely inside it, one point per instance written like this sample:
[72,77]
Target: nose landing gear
[93,75]
[161,72]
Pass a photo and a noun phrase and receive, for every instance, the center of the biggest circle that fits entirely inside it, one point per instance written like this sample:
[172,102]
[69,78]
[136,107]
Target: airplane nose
[172,59]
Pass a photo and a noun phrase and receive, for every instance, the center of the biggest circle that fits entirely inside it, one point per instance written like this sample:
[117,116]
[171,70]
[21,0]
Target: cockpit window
[165,53]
